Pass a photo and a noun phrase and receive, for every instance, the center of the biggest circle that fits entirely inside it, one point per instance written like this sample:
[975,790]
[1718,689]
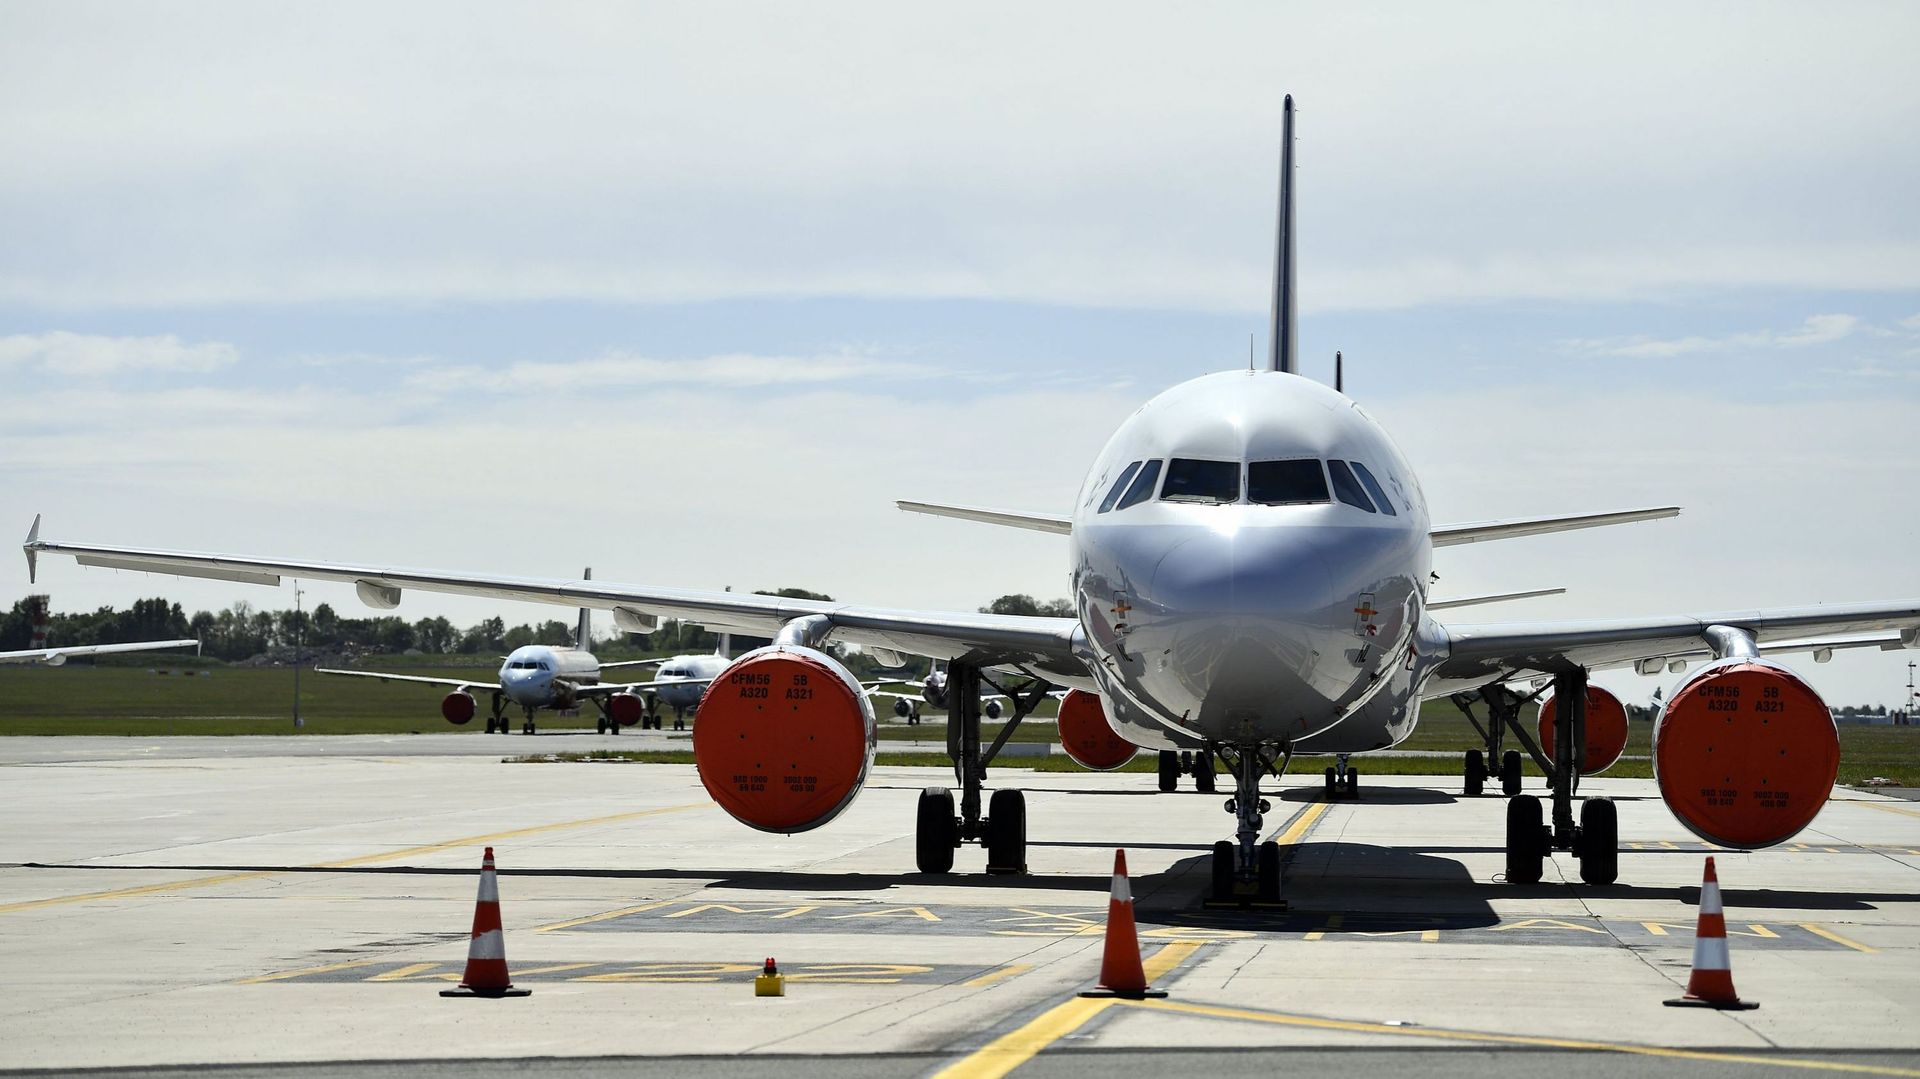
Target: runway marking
[1016,1047]
[1485,1037]
[994,977]
[306,972]
[344,863]
[401,974]
[1302,822]
[1659,929]
[591,918]
[1837,938]
[1885,808]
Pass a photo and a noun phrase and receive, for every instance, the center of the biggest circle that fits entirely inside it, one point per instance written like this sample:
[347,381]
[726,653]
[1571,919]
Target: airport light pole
[299,638]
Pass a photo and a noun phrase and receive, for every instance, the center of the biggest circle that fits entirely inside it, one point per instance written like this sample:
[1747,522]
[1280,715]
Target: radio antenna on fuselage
[1284,337]
[1339,373]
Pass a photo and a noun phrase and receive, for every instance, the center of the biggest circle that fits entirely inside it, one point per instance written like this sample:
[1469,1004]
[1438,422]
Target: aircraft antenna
[1283,338]
[1252,351]
[1339,374]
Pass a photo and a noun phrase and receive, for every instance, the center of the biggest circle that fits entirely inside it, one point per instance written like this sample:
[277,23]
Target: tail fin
[583,633]
[1284,339]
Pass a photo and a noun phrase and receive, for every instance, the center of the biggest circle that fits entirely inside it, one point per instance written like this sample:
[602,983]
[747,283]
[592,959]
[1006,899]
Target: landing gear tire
[1353,784]
[1599,841]
[600,726]
[1169,771]
[1222,871]
[1007,832]
[528,729]
[1526,846]
[1333,786]
[935,832]
[1203,778]
[1270,872]
[1476,773]
[1510,773]
[489,726]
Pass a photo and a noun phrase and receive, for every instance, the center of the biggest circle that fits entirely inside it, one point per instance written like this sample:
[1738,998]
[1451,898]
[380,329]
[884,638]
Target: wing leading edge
[1045,644]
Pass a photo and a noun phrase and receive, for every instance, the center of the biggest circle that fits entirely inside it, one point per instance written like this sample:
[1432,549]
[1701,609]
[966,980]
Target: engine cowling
[626,708]
[457,707]
[991,709]
[902,707]
[1745,753]
[1606,730]
[783,739]
[1087,737]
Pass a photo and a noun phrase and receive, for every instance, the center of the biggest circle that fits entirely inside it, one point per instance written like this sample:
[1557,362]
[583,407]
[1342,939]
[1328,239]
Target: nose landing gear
[1343,781]
[1246,872]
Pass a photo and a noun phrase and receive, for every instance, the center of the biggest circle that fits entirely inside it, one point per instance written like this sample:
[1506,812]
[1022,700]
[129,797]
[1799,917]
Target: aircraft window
[1143,486]
[1286,483]
[1119,485]
[1347,487]
[1373,487]
[1211,482]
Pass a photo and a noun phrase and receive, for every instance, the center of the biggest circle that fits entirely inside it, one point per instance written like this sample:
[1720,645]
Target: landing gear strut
[1595,841]
[1002,830]
[1343,780]
[1246,872]
[498,720]
[1503,716]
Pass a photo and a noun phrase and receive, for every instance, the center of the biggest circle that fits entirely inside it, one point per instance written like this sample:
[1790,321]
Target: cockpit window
[1380,498]
[1286,483]
[1347,487]
[526,665]
[1119,485]
[1143,485]
[1210,482]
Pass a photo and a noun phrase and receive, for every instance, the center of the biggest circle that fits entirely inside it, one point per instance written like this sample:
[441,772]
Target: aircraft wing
[1479,654]
[985,639]
[420,678]
[56,656]
[1482,531]
[630,663]
[602,689]
[1039,522]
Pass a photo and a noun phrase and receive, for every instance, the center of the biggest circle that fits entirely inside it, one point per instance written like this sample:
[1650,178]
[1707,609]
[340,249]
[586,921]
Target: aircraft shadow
[1390,796]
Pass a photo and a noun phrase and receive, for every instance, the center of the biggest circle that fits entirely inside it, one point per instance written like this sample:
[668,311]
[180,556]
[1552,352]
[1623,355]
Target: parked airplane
[537,676]
[54,657]
[1250,559]
[930,691]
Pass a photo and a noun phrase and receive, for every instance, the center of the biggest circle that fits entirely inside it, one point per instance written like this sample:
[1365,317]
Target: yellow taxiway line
[344,863]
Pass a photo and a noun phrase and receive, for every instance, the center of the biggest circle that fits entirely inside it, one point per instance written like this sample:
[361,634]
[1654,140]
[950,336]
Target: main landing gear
[1595,840]
[1002,830]
[498,720]
[1195,763]
[1246,872]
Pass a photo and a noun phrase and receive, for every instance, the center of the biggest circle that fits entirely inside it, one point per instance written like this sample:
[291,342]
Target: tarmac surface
[273,901]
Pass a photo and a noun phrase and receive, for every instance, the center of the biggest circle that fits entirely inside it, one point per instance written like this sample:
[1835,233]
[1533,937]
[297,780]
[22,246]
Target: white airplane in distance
[537,676]
[1250,559]
[54,657]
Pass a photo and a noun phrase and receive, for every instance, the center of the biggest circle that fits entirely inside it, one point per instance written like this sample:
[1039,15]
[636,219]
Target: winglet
[32,547]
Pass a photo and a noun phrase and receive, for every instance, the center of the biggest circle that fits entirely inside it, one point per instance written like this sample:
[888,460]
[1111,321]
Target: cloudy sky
[691,293]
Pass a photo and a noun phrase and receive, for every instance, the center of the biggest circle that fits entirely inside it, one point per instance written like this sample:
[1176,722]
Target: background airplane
[1251,557]
[538,676]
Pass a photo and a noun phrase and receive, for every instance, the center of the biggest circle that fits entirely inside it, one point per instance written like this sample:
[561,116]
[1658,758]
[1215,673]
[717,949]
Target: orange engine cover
[1086,736]
[457,706]
[626,708]
[1745,753]
[1606,731]
[783,739]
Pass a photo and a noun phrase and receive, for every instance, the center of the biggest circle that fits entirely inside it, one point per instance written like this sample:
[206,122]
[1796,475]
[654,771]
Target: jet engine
[991,709]
[457,707]
[783,739]
[1087,736]
[1606,731]
[626,708]
[1745,753]
[902,707]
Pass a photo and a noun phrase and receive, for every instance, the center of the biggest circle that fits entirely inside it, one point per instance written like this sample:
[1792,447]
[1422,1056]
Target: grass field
[129,699]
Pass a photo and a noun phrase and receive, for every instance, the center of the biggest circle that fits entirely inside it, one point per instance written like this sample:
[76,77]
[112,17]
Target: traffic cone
[1711,985]
[486,974]
[1121,974]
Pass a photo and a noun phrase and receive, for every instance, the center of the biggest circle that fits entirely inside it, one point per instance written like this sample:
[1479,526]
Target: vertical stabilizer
[1283,342]
[583,633]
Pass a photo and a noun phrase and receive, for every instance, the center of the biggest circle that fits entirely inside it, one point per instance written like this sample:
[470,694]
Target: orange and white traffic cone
[486,974]
[1121,974]
[1711,985]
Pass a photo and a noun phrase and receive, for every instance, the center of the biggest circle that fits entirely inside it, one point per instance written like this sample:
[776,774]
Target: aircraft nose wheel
[1510,775]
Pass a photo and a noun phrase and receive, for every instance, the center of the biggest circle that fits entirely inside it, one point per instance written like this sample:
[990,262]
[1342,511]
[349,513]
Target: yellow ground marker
[1301,823]
[344,863]
[1885,808]
[1483,1037]
[304,971]
[995,977]
[1837,938]
[609,915]
[1015,1048]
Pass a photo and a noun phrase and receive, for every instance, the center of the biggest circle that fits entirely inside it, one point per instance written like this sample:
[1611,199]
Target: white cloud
[63,353]
[1816,330]
[619,371]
